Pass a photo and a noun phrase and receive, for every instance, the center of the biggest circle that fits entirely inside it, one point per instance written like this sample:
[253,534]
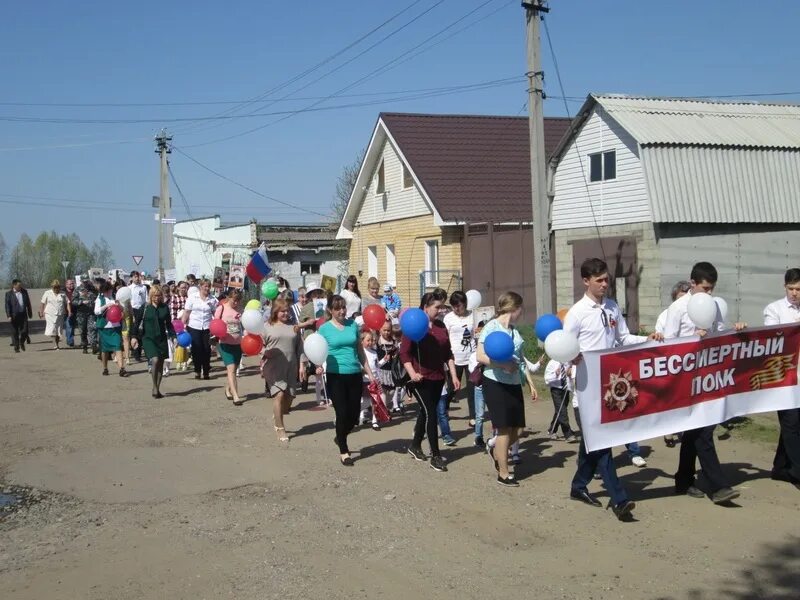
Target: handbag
[399,374]
[476,376]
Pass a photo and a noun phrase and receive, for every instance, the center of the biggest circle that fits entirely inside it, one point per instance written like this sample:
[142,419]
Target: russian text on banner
[658,388]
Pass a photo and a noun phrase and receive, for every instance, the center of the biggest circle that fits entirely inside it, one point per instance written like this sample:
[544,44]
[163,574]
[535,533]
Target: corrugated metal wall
[750,259]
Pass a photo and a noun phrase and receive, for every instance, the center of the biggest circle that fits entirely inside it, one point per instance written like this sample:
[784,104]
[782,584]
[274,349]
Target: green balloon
[269,289]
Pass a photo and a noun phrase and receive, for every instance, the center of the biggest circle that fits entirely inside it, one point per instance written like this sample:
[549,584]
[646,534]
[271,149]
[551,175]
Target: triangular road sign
[137,259]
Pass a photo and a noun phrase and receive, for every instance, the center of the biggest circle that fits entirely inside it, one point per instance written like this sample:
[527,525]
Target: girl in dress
[371,355]
[388,350]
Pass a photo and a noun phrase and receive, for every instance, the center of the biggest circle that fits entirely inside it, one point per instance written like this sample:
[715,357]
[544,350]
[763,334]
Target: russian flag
[258,267]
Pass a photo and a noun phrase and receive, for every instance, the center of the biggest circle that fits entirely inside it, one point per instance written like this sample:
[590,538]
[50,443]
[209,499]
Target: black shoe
[623,510]
[105,371]
[724,495]
[22,347]
[508,481]
[85,350]
[479,443]
[691,491]
[304,387]
[206,376]
[347,461]
[490,452]
[16,350]
[584,496]
[417,453]
[197,375]
[437,464]
[785,475]
[123,373]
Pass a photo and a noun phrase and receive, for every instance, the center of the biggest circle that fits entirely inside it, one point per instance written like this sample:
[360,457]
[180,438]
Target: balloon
[123,294]
[499,346]
[252,344]
[402,312]
[374,316]
[114,314]
[723,307]
[252,321]
[562,314]
[253,305]
[316,348]
[414,324]
[218,328]
[269,289]
[184,339]
[547,324]
[562,346]
[702,310]
[473,299]
[178,326]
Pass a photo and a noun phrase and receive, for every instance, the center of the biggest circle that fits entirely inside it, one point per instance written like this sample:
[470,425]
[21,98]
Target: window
[391,265]
[603,166]
[372,261]
[381,180]
[309,268]
[431,263]
[408,180]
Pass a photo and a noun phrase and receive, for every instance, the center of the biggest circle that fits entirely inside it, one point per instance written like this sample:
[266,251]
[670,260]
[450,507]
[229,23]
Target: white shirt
[19,300]
[352,301]
[661,321]
[781,311]
[556,374]
[101,305]
[192,292]
[138,295]
[599,326]
[459,329]
[202,311]
[678,324]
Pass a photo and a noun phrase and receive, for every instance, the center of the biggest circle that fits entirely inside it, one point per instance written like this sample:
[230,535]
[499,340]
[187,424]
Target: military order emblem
[620,394]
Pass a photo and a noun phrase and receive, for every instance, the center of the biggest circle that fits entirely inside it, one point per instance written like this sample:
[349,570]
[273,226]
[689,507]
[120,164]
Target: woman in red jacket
[425,362]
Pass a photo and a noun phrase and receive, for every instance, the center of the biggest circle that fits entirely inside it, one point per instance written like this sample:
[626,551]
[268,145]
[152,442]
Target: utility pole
[164,244]
[540,201]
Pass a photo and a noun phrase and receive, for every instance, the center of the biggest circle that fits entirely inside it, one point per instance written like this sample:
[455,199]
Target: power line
[303,209]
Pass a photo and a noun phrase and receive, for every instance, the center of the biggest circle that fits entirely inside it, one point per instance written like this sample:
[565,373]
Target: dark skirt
[505,403]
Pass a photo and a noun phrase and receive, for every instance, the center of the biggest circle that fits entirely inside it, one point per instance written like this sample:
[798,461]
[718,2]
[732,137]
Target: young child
[556,376]
[480,407]
[388,351]
[368,343]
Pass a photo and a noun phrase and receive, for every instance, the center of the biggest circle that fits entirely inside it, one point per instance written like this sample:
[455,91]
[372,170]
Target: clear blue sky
[178,52]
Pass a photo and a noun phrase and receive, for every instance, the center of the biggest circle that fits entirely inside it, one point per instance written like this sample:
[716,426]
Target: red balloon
[374,316]
[252,344]
[218,328]
[114,314]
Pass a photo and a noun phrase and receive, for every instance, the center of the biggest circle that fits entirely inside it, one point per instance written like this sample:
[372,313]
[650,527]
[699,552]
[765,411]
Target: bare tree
[344,186]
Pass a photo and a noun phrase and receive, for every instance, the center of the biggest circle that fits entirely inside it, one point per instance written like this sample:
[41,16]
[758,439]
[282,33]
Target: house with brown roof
[445,200]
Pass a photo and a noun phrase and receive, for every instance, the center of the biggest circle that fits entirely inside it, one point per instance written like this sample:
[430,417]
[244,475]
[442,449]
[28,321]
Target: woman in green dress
[155,331]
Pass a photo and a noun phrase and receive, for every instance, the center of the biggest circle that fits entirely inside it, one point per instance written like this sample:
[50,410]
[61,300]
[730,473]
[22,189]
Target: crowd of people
[372,372]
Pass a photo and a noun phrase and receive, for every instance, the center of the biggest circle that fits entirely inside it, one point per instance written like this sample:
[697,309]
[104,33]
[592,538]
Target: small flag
[258,267]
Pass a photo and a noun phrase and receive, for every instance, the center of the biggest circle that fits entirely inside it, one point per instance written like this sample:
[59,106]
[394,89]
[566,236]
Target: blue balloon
[499,346]
[414,324]
[547,324]
[184,339]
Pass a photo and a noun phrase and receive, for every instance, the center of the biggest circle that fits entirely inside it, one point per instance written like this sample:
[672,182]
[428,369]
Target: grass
[761,428]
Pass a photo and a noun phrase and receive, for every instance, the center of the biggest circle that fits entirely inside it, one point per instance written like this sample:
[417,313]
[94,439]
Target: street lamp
[65,264]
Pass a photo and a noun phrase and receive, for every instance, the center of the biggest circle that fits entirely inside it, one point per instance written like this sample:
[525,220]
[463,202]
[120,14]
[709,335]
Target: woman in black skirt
[502,384]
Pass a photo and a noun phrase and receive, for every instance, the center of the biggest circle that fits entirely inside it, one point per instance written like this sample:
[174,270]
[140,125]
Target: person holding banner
[598,324]
[698,444]
[786,466]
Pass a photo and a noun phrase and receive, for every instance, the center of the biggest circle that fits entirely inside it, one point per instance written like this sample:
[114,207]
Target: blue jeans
[598,461]
[443,416]
[480,410]
[69,329]
[633,449]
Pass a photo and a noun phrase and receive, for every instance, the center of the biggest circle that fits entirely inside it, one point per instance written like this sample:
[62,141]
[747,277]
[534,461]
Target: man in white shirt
[786,466]
[138,302]
[598,324]
[698,444]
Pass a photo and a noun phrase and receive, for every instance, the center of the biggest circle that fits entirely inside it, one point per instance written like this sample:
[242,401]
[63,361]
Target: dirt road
[190,497]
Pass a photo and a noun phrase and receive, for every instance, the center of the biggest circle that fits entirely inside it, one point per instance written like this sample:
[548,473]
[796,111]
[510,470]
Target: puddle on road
[7,500]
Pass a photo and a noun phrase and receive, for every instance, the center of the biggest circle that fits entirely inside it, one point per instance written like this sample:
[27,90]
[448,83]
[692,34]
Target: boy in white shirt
[556,377]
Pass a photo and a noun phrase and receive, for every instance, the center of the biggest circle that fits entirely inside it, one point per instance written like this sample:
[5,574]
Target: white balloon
[252,321]
[473,299]
[316,348]
[123,294]
[723,307]
[702,310]
[562,346]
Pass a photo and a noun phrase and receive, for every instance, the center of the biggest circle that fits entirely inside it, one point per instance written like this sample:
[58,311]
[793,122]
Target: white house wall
[396,202]
[194,253]
[581,203]
[287,265]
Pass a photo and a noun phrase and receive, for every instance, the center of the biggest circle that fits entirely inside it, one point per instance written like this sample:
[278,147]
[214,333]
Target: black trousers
[19,329]
[201,349]
[561,398]
[698,444]
[787,455]
[138,314]
[427,393]
[463,374]
[344,391]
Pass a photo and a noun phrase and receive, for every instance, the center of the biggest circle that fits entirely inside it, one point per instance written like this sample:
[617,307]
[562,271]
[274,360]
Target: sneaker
[448,440]
[437,464]
[376,427]
[417,453]
[726,494]
[479,443]
[553,436]
[638,461]
[508,481]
